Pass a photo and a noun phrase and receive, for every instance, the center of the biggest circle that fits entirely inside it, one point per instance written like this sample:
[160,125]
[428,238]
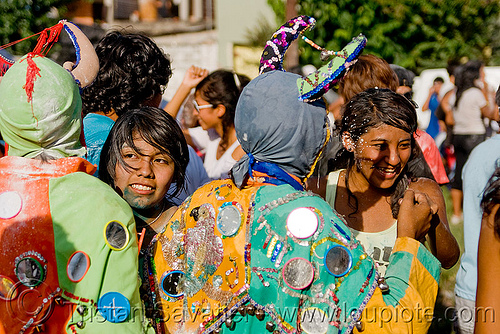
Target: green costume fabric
[110,270]
[51,122]
[61,211]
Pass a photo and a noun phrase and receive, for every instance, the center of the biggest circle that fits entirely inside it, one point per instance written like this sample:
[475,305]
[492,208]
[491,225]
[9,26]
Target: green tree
[23,18]
[415,34]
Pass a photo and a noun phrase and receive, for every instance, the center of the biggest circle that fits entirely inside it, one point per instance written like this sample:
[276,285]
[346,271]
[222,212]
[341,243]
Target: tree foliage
[415,34]
[23,18]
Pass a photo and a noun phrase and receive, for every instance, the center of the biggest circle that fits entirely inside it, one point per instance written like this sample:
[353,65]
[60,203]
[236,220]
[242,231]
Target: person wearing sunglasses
[214,103]
[133,73]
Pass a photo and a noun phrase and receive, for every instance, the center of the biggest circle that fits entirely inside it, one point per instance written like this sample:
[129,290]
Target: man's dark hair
[132,70]
[158,129]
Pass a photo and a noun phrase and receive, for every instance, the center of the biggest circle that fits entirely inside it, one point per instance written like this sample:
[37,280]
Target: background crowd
[397,186]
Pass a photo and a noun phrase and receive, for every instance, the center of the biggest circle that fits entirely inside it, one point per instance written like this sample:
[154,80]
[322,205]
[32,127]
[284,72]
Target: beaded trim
[39,309]
[248,237]
[280,323]
[356,315]
[215,322]
[73,39]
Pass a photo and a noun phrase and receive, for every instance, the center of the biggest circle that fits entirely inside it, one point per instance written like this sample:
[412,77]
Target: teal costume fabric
[328,302]
[245,256]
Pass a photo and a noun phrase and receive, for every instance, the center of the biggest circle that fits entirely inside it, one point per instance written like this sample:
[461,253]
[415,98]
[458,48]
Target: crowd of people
[254,213]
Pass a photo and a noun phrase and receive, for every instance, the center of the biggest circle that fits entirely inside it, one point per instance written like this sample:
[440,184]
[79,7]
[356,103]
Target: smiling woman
[372,176]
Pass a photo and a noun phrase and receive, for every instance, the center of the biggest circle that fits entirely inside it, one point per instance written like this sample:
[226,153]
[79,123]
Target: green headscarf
[51,123]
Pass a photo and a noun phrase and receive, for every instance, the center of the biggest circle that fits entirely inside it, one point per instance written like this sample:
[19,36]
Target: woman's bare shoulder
[426,185]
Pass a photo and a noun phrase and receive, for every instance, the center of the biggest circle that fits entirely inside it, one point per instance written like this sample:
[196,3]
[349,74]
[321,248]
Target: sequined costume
[56,262]
[68,245]
[257,254]
[201,284]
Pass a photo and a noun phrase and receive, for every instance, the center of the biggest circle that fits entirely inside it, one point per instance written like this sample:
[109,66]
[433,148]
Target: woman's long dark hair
[466,77]
[223,87]
[491,197]
[158,129]
[368,110]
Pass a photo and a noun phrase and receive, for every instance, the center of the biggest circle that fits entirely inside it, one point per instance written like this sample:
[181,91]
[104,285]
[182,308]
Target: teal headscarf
[49,124]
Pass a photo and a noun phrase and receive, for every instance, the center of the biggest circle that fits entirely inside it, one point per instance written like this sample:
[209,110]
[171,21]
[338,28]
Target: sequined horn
[318,83]
[87,64]
[272,57]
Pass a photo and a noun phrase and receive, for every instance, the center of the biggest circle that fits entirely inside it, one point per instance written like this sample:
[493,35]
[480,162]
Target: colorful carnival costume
[257,253]
[68,245]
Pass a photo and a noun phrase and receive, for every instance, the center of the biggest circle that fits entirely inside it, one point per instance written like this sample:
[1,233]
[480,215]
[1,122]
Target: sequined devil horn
[318,83]
[87,64]
[272,57]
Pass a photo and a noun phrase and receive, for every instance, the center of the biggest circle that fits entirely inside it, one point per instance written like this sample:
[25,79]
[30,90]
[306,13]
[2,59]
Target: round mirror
[338,260]
[114,307]
[229,220]
[78,265]
[8,290]
[116,235]
[302,223]
[30,272]
[10,204]
[298,273]
[170,283]
[315,321]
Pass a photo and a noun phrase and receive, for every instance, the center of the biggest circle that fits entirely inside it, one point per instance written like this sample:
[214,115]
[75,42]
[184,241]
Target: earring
[348,143]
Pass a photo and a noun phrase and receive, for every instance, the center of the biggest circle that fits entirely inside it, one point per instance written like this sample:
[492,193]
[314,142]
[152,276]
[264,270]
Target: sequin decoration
[223,191]
[8,289]
[30,272]
[217,281]
[230,219]
[338,260]
[274,52]
[78,265]
[298,273]
[203,250]
[114,307]
[116,235]
[170,283]
[314,321]
[318,83]
[302,223]
[11,204]
[234,270]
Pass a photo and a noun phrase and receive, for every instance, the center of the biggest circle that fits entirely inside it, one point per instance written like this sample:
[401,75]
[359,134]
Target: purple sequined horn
[272,57]
[87,64]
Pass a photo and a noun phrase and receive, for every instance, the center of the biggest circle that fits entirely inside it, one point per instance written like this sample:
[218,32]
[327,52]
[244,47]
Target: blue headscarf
[274,126]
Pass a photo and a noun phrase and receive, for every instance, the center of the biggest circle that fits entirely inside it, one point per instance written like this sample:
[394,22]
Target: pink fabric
[432,156]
